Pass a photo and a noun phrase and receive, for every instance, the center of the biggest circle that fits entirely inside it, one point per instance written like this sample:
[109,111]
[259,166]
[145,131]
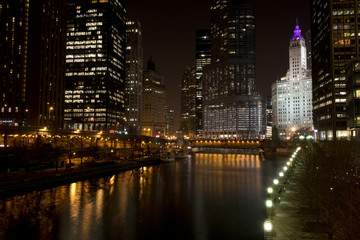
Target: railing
[226,143]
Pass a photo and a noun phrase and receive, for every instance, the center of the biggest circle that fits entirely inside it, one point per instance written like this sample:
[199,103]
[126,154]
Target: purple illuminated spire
[297,32]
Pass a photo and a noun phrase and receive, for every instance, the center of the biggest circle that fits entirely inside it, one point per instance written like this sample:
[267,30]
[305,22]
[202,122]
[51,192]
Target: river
[218,195]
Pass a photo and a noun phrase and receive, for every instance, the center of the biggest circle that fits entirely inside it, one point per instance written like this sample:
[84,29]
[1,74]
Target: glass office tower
[95,65]
[232,108]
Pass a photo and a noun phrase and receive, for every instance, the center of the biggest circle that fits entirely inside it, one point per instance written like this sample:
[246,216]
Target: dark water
[209,196]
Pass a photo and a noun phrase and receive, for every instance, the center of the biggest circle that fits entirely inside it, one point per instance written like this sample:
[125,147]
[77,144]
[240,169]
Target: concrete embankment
[50,178]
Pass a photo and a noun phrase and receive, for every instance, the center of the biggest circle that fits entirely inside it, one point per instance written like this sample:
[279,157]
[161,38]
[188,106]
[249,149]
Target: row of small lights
[58,136]
[268,225]
[233,141]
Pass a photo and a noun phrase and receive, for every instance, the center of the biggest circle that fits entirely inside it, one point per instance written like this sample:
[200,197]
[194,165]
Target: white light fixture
[268,225]
[269,203]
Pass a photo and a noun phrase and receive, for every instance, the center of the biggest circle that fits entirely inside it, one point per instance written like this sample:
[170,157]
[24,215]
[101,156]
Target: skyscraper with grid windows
[32,62]
[95,65]
[335,43]
[231,106]
[203,58]
[134,76]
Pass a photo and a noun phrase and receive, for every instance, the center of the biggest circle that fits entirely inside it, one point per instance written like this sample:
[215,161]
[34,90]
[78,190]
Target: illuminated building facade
[95,65]
[170,122]
[14,20]
[134,76]
[188,102]
[353,98]
[32,62]
[292,94]
[203,58]
[239,117]
[269,118]
[335,42]
[153,111]
[231,107]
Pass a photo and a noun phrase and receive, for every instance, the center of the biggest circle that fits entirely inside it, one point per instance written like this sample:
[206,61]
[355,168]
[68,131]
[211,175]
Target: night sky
[169,36]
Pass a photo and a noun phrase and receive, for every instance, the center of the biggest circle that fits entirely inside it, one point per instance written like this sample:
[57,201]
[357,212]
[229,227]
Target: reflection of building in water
[229,160]
[204,187]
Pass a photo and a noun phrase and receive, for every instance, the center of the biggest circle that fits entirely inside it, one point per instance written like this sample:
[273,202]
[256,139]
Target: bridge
[241,144]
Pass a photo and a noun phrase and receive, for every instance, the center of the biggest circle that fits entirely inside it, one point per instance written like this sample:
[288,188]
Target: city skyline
[133,119]
[274,21]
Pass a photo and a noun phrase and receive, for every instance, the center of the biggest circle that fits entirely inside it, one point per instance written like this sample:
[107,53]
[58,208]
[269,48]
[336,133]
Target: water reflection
[208,196]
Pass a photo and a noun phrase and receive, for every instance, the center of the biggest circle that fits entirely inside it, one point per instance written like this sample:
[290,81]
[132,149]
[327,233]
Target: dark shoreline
[26,185]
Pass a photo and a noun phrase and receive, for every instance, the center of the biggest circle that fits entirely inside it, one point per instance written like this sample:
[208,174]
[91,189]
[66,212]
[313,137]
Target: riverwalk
[20,182]
[291,218]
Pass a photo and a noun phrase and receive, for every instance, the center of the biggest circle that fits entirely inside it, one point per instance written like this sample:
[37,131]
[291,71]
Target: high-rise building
[231,107]
[170,122]
[269,118]
[46,63]
[14,21]
[134,76]
[335,42]
[95,65]
[308,48]
[292,94]
[203,58]
[188,102]
[353,98]
[153,111]
[32,62]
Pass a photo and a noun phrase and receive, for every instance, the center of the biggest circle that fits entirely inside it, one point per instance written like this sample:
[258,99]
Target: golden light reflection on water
[86,220]
[72,192]
[99,203]
[74,201]
[129,204]
[112,180]
[229,160]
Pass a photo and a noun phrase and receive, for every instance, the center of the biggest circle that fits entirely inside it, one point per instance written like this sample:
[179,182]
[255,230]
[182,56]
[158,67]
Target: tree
[329,183]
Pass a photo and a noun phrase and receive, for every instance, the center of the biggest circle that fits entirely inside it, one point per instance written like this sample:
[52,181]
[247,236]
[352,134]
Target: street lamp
[269,203]
[50,109]
[268,226]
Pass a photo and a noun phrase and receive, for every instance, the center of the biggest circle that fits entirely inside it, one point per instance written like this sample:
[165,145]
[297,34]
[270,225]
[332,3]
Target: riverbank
[317,196]
[20,183]
[293,220]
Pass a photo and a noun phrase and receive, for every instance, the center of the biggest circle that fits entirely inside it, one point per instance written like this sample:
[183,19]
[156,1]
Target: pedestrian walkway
[290,217]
